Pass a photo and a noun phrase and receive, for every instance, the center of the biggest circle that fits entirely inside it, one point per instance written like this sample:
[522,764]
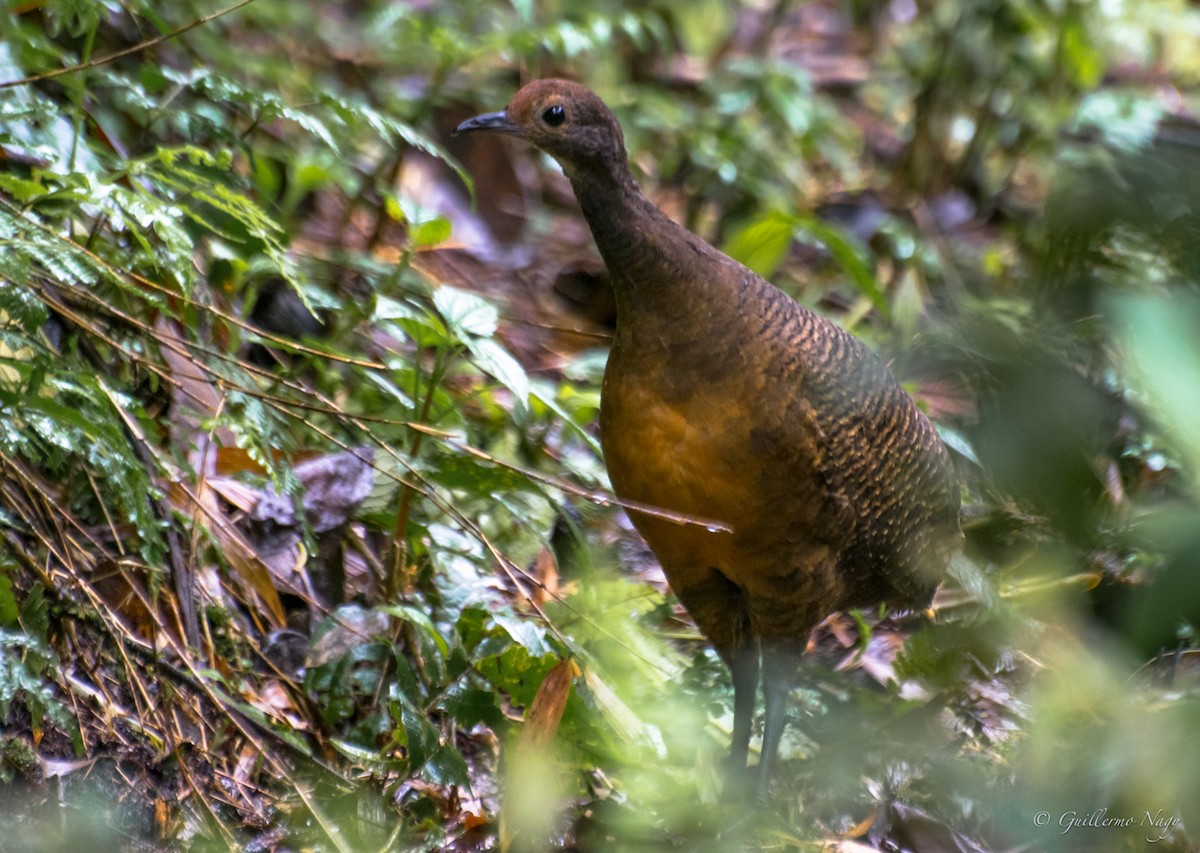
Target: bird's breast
[676,439]
[685,454]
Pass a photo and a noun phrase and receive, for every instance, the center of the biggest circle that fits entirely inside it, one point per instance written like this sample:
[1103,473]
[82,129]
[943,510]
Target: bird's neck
[649,256]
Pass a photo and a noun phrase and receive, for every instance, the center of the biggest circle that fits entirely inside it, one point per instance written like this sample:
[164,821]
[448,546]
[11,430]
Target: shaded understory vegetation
[305,538]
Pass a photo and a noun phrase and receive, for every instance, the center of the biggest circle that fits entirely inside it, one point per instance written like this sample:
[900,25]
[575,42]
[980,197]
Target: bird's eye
[555,115]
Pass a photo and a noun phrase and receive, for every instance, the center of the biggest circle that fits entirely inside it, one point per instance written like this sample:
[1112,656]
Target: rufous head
[564,119]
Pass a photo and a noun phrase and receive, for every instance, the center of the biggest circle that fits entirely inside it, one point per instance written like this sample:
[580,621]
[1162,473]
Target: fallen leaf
[546,710]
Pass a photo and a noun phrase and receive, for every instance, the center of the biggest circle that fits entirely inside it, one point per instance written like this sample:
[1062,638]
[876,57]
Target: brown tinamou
[726,400]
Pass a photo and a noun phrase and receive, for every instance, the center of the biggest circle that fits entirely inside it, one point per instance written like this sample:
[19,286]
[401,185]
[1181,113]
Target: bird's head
[564,119]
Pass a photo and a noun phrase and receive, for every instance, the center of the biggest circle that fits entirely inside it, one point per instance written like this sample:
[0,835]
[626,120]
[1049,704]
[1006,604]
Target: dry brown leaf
[473,821]
[235,492]
[545,571]
[533,784]
[231,461]
[252,571]
[247,761]
[843,629]
[124,596]
[162,819]
[202,505]
[546,710]
[274,700]
[863,826]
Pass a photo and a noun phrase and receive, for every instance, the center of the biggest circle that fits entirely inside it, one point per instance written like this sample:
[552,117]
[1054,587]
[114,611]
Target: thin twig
[107,58]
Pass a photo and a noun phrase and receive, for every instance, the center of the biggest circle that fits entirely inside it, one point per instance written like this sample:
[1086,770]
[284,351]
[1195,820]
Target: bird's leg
[719,608]
[744,668]
[777,667]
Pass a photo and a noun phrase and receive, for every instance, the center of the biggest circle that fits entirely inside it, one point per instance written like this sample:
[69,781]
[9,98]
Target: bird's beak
[488,121]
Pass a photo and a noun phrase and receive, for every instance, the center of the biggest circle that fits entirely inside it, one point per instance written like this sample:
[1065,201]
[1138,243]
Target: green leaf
[1081,53]
[473,706]
[446,766]
[9,611]
[387,308]
[22,305]
[466,314]
[433,646]
[763,244]
[22,190]
[492,358]
[958,442]
[545,396]
[432,232]
[25,662]
[420,737]
[35,614]
[456,471]
[849,256]
[529,635]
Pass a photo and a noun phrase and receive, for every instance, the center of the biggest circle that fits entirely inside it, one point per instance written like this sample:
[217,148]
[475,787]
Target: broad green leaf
[466,314]
[495,360]
[763,244]
[21,304]
[456,471]
[432,232]
[446,766]
[21,189]
[850,257]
